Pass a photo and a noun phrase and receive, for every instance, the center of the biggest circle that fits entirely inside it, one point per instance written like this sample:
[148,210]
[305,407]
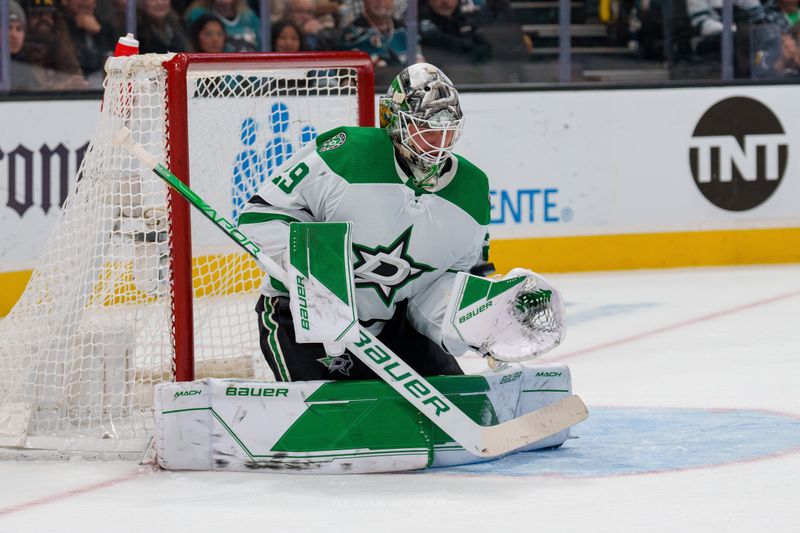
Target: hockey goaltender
[383,237]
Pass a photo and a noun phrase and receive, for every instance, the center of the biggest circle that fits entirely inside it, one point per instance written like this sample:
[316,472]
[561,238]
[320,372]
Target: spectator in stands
[24,76]
[790,10]
[160,28]
[706,18]
[791,51]
[93,39]
[242,25]
[303,14]
[327,11]
[208,34]
[287,37]
[50,48]
[781,60]
[346,13]
[448,34]
[378,33]
[16,27]
[789,64]
[317,20]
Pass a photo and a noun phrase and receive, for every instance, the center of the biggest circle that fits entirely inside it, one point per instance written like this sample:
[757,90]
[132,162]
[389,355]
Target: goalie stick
[483,441]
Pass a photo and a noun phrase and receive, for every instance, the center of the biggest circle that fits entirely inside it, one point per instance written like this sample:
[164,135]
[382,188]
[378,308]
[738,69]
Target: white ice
[694,339]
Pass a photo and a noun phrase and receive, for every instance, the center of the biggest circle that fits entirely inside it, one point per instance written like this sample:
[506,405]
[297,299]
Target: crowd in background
[62,44]
[766,34]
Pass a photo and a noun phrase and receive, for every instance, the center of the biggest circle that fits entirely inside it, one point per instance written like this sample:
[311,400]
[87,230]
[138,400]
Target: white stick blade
[537,425]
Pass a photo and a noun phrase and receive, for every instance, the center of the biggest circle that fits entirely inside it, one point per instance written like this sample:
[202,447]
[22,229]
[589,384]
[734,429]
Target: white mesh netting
[92,333]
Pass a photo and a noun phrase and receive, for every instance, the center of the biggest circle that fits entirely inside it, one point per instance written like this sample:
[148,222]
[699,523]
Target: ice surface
[691,378]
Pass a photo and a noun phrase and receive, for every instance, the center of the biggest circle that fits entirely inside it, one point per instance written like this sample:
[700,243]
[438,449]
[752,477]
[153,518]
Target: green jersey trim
[366,156]
[469,190]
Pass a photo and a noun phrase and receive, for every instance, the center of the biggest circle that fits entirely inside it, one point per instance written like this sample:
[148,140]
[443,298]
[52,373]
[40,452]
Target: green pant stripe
[272,338]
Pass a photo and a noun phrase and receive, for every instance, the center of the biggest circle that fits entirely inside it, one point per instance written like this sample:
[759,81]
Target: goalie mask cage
[132,288]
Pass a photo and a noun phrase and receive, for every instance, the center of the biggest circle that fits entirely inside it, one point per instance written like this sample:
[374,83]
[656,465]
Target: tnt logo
[259,158]
[738,154]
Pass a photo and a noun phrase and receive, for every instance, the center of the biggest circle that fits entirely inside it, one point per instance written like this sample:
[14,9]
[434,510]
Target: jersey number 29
[288,181]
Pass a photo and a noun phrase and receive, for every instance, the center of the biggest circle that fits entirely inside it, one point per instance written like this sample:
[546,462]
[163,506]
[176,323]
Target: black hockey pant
[292,361]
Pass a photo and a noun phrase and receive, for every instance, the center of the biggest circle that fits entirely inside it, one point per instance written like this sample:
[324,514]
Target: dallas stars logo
[341,364]
[333,143]
[387,269]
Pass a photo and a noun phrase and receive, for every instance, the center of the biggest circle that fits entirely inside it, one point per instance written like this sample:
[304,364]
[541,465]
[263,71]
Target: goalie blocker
[337,427]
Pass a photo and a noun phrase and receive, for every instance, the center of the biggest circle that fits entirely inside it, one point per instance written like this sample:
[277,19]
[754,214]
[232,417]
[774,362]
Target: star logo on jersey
[387,269]
[341,364]
[333,143]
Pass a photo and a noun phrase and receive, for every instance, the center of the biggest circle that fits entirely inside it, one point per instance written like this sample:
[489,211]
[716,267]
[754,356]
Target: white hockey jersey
[407,243]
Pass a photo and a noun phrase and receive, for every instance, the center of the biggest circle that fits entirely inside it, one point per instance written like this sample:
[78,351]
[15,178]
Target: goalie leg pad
[335,427]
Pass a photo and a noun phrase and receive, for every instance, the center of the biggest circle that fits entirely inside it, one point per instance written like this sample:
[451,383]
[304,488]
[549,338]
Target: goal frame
[177,155]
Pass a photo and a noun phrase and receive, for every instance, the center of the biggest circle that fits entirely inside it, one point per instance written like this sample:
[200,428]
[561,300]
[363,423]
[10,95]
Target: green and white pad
[514,318]
[337,427]
[321,287]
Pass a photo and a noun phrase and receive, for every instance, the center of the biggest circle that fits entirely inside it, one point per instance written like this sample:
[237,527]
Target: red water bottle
[127,46]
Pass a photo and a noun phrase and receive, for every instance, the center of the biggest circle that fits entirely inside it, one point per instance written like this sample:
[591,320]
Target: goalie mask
[423,117]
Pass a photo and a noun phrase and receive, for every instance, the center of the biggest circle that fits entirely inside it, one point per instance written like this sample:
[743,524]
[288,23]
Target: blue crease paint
[625,441]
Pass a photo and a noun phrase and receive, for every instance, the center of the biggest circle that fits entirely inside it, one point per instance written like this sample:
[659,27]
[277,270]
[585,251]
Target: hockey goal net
[133,289]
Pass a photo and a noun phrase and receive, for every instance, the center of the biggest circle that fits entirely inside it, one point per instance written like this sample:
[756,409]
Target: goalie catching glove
[515,318]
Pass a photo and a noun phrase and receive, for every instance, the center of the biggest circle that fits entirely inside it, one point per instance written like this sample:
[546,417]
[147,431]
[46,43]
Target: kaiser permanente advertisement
[579,180]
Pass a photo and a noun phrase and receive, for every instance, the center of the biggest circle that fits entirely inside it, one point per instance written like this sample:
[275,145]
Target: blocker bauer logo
[738,153]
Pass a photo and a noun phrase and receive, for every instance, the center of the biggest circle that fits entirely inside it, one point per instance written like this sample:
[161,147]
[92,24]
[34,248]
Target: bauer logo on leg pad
[263,392]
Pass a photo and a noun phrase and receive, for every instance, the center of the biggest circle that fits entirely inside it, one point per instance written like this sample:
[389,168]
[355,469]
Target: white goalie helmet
[422,114]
